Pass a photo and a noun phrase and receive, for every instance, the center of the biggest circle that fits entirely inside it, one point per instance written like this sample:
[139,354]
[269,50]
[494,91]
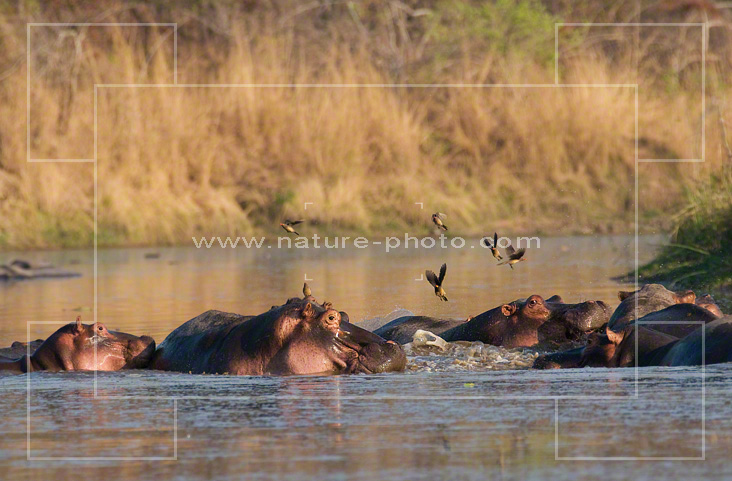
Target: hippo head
[317,338]
[583,317]
[72,348]
[647,299]
[707,302]
[571,322]
[601,348]
[532,311]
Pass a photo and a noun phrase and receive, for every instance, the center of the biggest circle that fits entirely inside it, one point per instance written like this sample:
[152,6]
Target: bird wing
[443,271]
[487,242]
[431,277]
[441,215]
[495,239]
[510,250]
[295,222]
[518,254]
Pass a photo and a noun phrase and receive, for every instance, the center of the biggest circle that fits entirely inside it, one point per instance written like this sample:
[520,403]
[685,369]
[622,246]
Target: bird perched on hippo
[298,337]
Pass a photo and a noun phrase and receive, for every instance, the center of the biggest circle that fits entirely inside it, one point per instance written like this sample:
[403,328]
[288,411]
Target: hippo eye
[100,328]
[331,317]
[532,302]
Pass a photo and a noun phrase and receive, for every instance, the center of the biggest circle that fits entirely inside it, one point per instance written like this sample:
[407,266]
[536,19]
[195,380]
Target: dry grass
[177,162]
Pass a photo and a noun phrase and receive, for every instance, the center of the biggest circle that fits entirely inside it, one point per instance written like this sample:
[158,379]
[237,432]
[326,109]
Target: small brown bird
[514,256]
[288,226]
[493,247]
[306,290]
[437,282]
[437,219]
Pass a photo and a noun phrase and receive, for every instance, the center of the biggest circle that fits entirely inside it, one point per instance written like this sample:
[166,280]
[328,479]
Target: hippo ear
[614,337]
[508,309]
[307,311]
[327,305]
[622,295]
[79,326]
[685,297]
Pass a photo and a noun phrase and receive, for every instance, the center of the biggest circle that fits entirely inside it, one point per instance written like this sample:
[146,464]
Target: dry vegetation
[177,162]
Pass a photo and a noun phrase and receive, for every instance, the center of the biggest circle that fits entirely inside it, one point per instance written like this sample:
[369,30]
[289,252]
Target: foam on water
[430,353]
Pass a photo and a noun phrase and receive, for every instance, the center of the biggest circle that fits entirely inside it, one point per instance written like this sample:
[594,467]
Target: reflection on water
[449,425]
[454,414]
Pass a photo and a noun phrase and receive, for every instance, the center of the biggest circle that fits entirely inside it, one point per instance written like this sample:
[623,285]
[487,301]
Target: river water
[471,412]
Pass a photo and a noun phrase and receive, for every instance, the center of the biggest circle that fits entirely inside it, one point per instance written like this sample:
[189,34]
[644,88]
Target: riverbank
[174,163]
[699,255]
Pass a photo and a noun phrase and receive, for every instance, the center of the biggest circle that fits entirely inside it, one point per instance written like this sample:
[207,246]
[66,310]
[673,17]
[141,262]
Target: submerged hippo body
[657,332]
[299,337]
[659,349]
[402,329]
[23,270]
[678,320]
[517,324]
[72,348]
[617,349]
[18,349]
[676,314]
[716,349]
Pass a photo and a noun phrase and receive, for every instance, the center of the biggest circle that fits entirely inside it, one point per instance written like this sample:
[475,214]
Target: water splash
[430,353]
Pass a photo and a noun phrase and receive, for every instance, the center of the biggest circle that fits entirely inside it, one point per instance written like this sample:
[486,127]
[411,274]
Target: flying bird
[493,247]
[437,281]
[437,219]
[514,256]
[288,226]
[306,290]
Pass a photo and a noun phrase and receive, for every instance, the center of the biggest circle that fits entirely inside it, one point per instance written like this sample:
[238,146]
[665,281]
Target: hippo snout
[584,316]
[140,352]
[375,354]
[382,357]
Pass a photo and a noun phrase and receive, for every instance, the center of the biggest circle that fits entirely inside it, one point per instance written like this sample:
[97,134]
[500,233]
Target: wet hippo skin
[516,324]
[72,348]
[299,337]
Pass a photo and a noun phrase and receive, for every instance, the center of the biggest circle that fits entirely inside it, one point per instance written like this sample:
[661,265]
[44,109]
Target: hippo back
[402,329]
[202,335]
[678,320]
[717,345]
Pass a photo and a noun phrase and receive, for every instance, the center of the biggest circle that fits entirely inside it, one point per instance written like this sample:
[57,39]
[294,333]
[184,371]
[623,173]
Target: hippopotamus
[22,270]
[298,337]
[717,345]
[707,302]
[678,320]
[521,323]
[655,330]
[71,348]
[660,349]
[17,349]
[617,349]
[650,298]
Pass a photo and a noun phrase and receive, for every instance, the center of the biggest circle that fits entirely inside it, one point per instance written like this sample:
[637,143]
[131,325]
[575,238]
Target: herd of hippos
[303,336]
